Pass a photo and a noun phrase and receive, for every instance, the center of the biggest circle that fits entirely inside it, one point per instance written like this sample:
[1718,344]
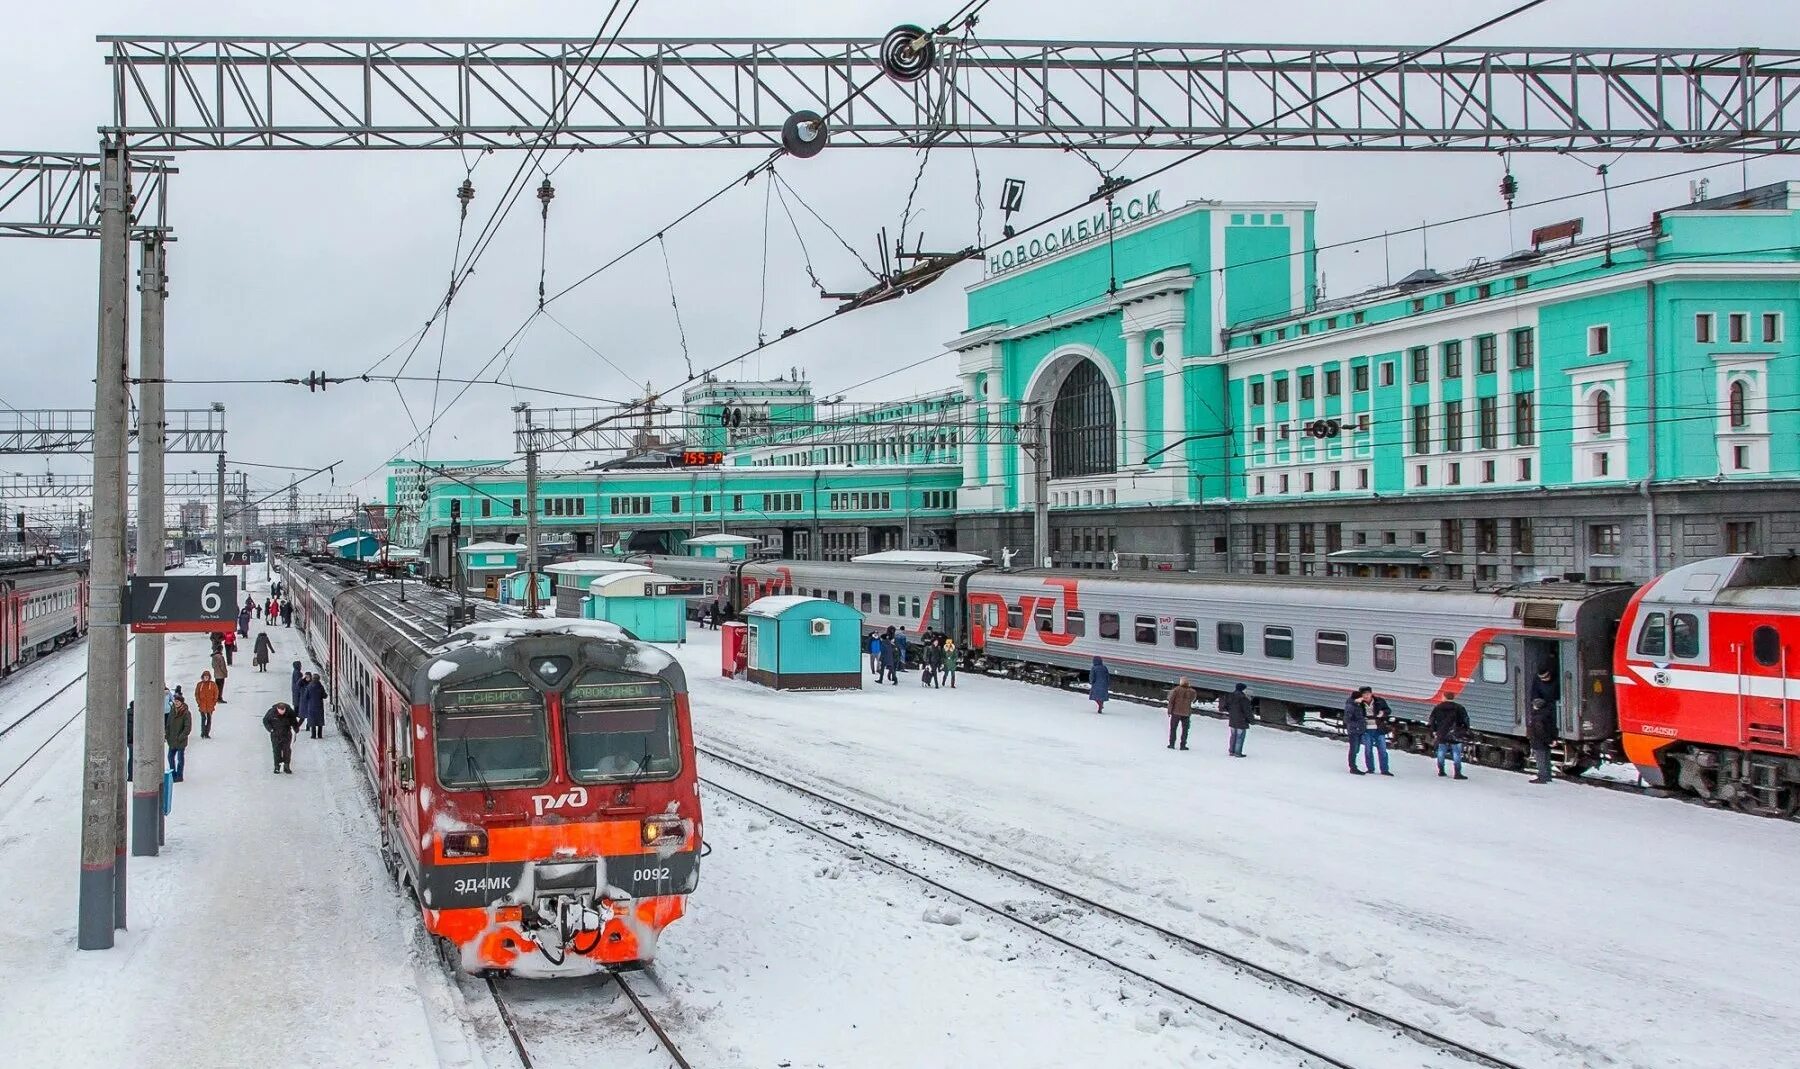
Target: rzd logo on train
[572,799]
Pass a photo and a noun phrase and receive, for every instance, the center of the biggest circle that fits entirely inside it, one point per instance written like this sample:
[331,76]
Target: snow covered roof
[594,567]
[490,547]
[629,582]
[349,540]
[648,659]
[927,557]
[722,540]
[777,604]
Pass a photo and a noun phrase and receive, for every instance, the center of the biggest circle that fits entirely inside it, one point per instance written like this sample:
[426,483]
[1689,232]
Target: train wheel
[1783,808]
[448,954]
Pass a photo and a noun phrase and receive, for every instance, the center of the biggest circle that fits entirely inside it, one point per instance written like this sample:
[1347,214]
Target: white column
[1174,400]
[966,435]
[1134,399]
[996,448]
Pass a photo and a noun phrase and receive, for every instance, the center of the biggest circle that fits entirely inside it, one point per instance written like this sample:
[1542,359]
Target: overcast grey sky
[290,262]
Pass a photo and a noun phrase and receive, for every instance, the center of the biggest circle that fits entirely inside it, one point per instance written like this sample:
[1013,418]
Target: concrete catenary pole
[1040,487]
[147,748]
[531,514]
[104,735]
[219,521]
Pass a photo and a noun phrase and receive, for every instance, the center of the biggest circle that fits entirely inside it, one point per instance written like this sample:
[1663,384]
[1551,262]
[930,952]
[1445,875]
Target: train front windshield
[620,728]
[492,732]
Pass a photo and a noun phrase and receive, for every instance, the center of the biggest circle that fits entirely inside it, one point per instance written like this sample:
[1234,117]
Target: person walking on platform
[1375,739]
[934,662]
[264,649]
[1099,684]
[243,627]
[282,724]
[206,696]
[220,668]
[180,725]
[312,705]
[1356,724]
[950,660]
[1450,726]
[901,648]
[230,647]
[1181,710]
[298,681]
[1237,717]
[272,612]
[287,613]
[875,656]
[1540,722]
[890,659]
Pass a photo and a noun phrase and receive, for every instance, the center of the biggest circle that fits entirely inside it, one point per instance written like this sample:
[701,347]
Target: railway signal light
[731,417]
[455,509]
[21,528]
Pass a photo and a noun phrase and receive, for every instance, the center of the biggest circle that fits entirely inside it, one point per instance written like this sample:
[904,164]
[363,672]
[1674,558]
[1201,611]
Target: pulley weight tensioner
[907,54]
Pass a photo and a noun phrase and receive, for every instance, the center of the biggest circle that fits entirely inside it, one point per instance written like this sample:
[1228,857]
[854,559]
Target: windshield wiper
[487,793]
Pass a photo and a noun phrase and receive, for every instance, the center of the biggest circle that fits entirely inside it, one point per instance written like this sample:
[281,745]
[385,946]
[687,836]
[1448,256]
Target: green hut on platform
[799,643]
[572,578]
[512,590]
[650,605]
[721,546]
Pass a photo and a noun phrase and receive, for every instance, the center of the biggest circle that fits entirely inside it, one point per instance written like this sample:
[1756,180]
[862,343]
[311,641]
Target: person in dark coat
[294,685]
[287,613]
[1450,726]
[1540,721]
[312,705]
[220,671]
[179,726]
[890,661]
[1181,710]
[934,663]
[282,723]
[243,627]
[1375,737]
[264,649]
[1237,717]
[1099,684]
[1356,723]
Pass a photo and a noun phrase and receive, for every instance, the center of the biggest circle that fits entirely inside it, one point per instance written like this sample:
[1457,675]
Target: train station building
[1609,406]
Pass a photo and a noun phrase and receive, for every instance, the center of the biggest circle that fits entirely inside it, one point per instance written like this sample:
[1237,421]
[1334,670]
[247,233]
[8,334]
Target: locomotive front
[553,782]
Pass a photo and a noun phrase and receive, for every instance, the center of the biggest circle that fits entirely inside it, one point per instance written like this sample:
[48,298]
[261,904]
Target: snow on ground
[1560,925]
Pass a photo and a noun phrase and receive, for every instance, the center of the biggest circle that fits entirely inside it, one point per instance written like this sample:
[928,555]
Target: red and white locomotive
[41,609]
[1706,680]
[535,779]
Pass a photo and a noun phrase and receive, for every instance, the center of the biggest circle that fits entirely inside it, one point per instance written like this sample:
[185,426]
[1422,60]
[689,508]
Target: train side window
[1187,635]
[937,611]
[1332,647]
[867,603]
[1144,630]
[1042,616]
[1387,654]
[1015,619]
[1493,663]
[831,595]
[1230,637]
[1443,658]
[1109,625]
[1075,622]
[1765,644]
[1278,642]
[1653,638]
[993,616]
[885,605]
[1684,628]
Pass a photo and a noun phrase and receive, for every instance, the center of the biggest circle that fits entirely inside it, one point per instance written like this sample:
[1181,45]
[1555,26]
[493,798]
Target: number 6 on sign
[209,598]
[182,603]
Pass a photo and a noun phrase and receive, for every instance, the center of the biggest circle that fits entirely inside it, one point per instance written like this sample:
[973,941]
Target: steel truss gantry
[50,487]
[71,430]
[55,195]
[181,93]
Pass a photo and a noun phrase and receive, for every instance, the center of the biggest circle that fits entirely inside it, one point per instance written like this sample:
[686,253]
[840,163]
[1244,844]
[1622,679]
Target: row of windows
[1737,327]
[906,606]
[1334,481]
[46,604]
[565,506]
[938,499]
[874,500]
[781,503]
[1487,423]
[1490,471]
[1280,537]
[1681,636]
[1416,306]
[1487,355]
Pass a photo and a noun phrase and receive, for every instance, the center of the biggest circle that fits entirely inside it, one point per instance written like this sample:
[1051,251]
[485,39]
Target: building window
[1487,349]
[1453,359]
[1450,534]
[1604,539]
[1703,328]
[1521,281]
[1453,436]
[1332,647]
[1359,378]
[1362,478]
[1418,305]
[1256,393]
[1740,536]
[1421,364]
[1281,390]
[1421,475]
[1524,420]
[1487,415]
[1278,643]
[1449,298]
[1524,469]
[1599,341]
[1387,372]
[1334,382]
[1738,402]
[1740,326]
[1083,428]
[1771,324]
[1602,414]
[1740,458]
[1306,386]
[1521,535]
[1337,480]
[1421,429]
[1524,348]
[1454,476]
[487,508]
[1229,637]
[1487,536]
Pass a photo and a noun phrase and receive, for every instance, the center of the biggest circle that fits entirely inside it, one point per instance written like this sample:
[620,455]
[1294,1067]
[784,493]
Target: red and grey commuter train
[42,608]
[535,779]
[1300,645]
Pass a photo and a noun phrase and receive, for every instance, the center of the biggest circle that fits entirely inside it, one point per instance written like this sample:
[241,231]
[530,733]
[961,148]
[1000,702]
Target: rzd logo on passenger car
[573,799]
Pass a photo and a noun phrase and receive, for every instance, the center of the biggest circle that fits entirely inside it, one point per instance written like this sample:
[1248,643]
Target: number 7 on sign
[162,591]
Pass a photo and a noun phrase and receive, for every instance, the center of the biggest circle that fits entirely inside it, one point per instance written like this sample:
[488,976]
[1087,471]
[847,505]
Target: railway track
[518,1029]
[1382,1038]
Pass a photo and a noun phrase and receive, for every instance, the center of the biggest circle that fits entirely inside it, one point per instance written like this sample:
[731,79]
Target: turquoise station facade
[1609,406]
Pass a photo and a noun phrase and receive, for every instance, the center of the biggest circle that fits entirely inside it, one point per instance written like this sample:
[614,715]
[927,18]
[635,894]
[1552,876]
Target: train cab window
[885,605]
[1278,642]
[1493,663]
[620,727]
[1042,615]
[491,733]
[867,603]
[1332,647]
[1443,658]
[1109,625]
[1075,622]
[1684,631]
[1187,635]
[1765,646]
[1230,637]
[1653,636]
[1387,654]
[1143,630]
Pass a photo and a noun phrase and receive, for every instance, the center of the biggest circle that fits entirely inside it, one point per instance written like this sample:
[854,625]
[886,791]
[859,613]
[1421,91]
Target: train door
[406,777]
[1762,661]
[1535,655]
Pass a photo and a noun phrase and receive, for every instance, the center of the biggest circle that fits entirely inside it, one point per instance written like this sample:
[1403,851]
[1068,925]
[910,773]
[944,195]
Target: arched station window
[1602,414]
[1739,401]
[1083,426]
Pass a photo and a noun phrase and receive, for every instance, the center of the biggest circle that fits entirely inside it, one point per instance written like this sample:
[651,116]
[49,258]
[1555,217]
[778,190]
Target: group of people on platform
[890,653]
[274,611]
[717,613]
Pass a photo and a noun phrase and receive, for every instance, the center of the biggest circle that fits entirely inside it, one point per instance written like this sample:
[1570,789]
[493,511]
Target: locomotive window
[1765,643]
[1387,657]
[1230,637]
[1653,640]
[620,727]
[1278,642]
[491,733]
[1043,617]
[1187,635]
[1075,622]
[1144,630]
[1109,625]
[885,605]
[1332,647]
[1493,663]
[1443,658]
[1685,629]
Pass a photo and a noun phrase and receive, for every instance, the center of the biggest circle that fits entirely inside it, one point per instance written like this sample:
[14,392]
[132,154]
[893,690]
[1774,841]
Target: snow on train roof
[929,558]
[648,659]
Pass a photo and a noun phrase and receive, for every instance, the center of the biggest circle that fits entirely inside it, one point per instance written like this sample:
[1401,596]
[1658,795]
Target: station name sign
[1052,241]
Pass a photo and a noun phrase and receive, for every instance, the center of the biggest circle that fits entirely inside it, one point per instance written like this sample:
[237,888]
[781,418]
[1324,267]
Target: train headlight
[466,844]
[657,829]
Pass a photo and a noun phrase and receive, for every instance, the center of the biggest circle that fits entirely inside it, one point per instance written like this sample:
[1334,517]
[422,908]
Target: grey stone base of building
[1593,534]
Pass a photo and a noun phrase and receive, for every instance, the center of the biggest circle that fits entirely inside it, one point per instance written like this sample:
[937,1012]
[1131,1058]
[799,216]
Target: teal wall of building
[651,619]
[785,644]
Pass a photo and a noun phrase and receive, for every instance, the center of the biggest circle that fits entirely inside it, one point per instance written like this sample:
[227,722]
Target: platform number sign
[165,603]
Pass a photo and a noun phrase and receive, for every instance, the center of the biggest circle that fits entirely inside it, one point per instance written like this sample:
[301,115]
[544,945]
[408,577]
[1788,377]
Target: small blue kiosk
[799,643]
[651,606]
